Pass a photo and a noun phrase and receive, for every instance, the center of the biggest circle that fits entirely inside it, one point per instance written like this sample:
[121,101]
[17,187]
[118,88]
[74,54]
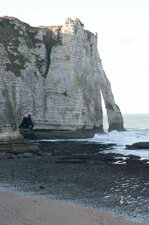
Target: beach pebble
[134,157]
[21,155]
[27,155]
[11,156]
[3,155]
[44,153]
[42,187]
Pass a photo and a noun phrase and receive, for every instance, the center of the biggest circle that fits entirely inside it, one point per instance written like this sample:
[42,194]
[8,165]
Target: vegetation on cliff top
[11,35]
[14,33]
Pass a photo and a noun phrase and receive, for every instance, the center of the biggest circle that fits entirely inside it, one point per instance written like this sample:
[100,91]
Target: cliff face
[54,73]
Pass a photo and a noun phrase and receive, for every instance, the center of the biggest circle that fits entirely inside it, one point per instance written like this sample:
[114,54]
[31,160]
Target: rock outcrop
[55,74]
[138,145]
[115,118]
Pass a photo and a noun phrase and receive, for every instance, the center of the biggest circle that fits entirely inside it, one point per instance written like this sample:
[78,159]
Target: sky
[123,39]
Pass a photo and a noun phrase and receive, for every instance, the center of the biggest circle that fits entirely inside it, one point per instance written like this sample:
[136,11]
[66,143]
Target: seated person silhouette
[27,123]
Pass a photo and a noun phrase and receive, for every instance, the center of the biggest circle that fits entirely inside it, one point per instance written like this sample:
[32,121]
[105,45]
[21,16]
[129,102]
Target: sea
[137,126]
[137,130]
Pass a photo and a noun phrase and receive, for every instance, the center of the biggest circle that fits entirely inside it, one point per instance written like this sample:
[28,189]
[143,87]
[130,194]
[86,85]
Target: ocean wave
[121,139]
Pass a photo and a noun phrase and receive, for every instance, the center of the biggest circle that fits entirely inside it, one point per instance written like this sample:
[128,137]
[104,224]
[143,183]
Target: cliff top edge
[67,22]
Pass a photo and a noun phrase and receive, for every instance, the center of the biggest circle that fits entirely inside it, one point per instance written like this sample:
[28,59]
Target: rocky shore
[78,172]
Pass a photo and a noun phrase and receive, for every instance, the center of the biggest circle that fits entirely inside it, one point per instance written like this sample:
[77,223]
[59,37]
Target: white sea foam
[137,126]
[121,139]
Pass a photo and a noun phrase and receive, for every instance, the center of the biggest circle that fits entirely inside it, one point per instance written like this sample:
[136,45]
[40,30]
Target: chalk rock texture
[115,118]
[55,74]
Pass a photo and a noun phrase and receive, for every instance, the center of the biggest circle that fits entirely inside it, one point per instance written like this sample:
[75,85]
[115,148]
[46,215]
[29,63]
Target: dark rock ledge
[67,152]
[138,145]
[54,149]
[37,134]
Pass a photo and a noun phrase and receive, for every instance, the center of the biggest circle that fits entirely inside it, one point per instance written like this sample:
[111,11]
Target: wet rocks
[71,160]
[134,157]
[78,151]
[40,153]
[2,155]
[11,156]
[42,186]
[92,157]
[17,148]
[138,145]
[69,152]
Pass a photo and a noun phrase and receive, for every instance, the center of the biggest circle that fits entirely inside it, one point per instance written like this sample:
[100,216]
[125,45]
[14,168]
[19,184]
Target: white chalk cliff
[54,73]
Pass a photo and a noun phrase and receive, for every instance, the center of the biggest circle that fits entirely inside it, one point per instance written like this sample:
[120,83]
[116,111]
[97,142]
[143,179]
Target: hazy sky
[123,39]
